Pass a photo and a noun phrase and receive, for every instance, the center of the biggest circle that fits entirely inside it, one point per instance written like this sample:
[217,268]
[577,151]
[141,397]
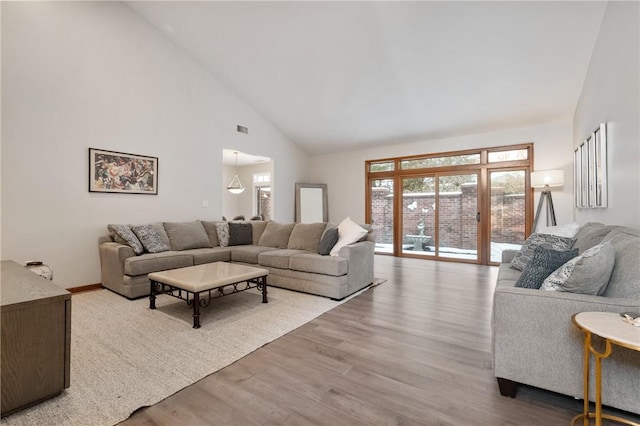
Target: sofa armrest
[112,257]
[508,255]
[360,258]
[534,340]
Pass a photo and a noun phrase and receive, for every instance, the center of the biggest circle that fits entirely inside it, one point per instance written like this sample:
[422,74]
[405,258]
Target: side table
[613,330]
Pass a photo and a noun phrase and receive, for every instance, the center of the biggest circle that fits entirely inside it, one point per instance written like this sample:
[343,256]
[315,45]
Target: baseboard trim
[83,288]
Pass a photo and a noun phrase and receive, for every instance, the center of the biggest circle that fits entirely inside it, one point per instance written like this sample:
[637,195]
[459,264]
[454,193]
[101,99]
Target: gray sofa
[535,342]
[289,253]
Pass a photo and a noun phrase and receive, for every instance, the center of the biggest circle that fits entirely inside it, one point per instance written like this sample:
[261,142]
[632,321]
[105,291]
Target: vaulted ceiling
[341,75]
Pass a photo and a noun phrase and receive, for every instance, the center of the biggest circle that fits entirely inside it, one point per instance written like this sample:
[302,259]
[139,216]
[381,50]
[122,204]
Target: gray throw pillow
[240,234]
[306,236]
[542,264]
[329,239]
[125,234]
[525,254]
[276,235]
[586,274]
[149,238]
[187,235]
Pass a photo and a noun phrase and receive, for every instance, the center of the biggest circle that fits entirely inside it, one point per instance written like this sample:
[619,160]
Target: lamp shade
[547,177]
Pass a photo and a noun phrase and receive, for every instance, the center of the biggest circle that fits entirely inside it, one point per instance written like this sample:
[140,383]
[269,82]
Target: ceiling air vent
[243,129]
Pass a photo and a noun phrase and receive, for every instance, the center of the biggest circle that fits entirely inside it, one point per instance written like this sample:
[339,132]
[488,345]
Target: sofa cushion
[507,275]
[222,229]
[187,235]
[329,239]
[526,252]
[248,254]
[154,262]
[277,258]
[240,234]
[589,235]
[348,233]
[212,232]
[625,277]
[276,235]
[542,264]
[306,236]
[126,236]
[257,230]
[209,255]
[587,274]
[318,264]
[149,238]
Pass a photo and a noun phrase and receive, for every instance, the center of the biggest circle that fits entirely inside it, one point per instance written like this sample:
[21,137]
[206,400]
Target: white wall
[344,172]
[611,94]
[93,74]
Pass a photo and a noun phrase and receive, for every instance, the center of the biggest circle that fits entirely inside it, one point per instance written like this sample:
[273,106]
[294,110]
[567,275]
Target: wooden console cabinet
[36,338]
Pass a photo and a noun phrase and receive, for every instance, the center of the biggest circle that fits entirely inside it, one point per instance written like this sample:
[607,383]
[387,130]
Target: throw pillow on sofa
[569,230]
[329,239]
[525,254]
[187,235]
[240,234]
[127,236]
[588,273]
[222,229]
[149,238]
[544,261]
[348,233]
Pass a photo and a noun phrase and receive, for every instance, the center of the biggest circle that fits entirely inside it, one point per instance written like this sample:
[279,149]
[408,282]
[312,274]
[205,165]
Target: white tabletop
[610,326]
[207,276]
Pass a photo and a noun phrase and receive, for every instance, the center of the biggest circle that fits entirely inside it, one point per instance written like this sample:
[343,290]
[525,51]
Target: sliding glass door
[458,216]
[440,216]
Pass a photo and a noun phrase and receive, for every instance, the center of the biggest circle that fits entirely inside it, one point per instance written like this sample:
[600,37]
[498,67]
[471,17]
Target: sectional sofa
[535,342]
[288,250]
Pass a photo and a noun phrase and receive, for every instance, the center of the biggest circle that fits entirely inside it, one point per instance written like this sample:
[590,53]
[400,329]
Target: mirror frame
[325,202]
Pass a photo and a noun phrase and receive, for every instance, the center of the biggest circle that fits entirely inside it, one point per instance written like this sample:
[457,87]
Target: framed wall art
[122,173]
[590,170]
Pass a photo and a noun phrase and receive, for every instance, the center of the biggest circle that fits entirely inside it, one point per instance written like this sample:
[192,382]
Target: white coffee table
[612,329]
[211,280]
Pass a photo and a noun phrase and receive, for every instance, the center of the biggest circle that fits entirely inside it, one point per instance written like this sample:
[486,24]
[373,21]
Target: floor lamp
[546,179]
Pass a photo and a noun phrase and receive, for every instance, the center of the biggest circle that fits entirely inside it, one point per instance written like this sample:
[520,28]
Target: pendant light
[235,187]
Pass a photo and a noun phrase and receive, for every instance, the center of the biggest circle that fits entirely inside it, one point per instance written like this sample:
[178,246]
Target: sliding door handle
[478,217]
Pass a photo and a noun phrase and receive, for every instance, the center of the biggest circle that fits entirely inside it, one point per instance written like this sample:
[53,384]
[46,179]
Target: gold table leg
[598,416]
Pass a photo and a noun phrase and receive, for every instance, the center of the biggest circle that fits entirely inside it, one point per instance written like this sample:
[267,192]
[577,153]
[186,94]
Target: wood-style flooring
[415,350]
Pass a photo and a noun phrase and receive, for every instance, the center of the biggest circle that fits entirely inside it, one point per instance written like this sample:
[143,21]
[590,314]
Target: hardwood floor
[413,350]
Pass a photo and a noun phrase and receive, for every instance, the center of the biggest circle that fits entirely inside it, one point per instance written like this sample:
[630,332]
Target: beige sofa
[288,251]
[535,342]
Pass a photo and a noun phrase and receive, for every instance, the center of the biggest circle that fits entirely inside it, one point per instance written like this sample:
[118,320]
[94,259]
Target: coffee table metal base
[203,298]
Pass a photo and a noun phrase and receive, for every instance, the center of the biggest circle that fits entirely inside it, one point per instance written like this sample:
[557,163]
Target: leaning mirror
[311,203]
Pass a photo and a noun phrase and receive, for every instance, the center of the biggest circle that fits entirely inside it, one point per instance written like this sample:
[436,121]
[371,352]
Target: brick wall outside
[458,226]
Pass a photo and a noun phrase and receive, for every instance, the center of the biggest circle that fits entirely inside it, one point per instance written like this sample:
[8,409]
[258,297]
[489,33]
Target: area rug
[125,356]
